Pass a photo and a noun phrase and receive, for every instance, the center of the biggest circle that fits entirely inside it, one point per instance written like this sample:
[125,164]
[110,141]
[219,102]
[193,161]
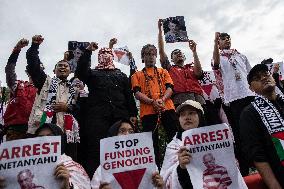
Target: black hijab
[113,130]
[56,131]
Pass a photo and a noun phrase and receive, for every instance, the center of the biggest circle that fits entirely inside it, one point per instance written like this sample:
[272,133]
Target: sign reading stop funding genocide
[213,163]
[30,163]
[128,161]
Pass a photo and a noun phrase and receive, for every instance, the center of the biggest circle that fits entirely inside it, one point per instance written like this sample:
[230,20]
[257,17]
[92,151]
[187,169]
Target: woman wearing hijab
[174,172]
[71,174]
[121,127]
[110,99]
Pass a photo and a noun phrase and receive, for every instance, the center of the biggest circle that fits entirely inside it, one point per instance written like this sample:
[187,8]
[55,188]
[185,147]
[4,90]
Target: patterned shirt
[216,178]
[233,63]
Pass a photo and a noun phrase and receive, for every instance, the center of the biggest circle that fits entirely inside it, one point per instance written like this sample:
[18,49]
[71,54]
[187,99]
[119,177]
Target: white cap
[191,103]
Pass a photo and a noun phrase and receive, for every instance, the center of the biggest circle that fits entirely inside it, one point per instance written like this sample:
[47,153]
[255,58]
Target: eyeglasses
[260,75]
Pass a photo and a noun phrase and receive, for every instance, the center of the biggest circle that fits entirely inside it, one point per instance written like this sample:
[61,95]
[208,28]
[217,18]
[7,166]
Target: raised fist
[38,39]
[217,35]
[160,23]
[22,43]
[112,42]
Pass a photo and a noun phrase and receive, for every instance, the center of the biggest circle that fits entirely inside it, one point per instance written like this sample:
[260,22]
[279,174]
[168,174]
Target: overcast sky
[256,27]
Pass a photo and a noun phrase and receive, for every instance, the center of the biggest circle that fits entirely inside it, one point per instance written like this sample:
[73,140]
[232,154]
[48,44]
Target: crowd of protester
[170,97]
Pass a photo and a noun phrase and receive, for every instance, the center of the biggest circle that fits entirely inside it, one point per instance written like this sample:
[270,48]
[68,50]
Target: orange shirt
[138,80]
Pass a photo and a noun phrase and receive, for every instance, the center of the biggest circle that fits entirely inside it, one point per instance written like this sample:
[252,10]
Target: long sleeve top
[109,90]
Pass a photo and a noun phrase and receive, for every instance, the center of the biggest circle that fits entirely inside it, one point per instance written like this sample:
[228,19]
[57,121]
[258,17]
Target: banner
[120,55]
[174,29]
[128,161]
[30,163]
[77,49]
[213,163]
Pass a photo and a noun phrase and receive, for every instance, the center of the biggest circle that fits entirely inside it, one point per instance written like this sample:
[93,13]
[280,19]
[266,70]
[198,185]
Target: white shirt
[235,89]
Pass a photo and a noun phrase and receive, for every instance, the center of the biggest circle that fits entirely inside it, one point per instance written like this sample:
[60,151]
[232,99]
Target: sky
[256,27]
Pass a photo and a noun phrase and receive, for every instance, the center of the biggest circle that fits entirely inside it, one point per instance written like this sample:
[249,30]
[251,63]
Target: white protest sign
[208,85]
[30,163]
[120,55]
[128,161]
[208,78]
[213,163]
[280,71]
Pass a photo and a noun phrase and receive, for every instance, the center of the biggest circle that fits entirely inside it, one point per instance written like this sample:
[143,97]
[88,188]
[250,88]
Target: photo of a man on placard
[25,180]
[75,50]
[175,30]
[214,176]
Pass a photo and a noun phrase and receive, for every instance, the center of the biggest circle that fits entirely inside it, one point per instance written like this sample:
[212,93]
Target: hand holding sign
[62,173]
[93,46]
[68,55]
[2,183]
[160,24]
[105,185]
[192,45]
[157,180]
[183,157]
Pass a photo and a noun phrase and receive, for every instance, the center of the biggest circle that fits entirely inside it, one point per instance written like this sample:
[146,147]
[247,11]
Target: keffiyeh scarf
[105,59]
[71,125]
[273,121]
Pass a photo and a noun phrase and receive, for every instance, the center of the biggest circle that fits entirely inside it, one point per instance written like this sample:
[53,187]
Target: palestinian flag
[278,140]
[71,127]
[46,117]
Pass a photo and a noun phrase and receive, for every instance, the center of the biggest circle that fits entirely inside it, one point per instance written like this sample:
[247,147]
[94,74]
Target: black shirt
[109,89]
[256,142]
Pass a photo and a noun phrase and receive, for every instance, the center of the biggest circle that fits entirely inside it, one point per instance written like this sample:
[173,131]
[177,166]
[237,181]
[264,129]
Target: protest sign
[213,163]
[77,49]
[120,55]
[174,29]
[208,85]
[30,163]
[280,70]
[128,161]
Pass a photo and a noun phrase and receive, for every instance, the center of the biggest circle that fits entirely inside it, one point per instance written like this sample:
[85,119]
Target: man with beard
[231,69]
[262,128]
[110,99]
